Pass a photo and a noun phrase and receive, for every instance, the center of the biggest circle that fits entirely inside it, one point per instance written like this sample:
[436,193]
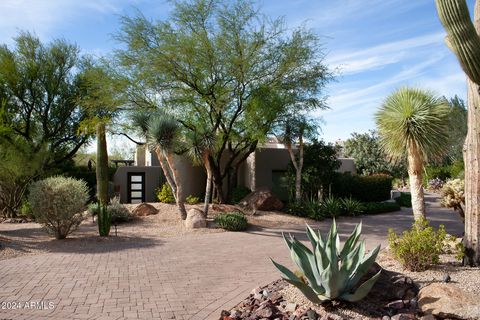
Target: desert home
[266,167]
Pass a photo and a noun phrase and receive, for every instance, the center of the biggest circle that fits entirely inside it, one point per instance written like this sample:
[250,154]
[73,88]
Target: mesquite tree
[463,38]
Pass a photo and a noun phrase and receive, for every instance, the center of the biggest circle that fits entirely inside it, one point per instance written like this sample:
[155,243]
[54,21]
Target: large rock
[448,301]
[144,209]
[195,219]
[262,199]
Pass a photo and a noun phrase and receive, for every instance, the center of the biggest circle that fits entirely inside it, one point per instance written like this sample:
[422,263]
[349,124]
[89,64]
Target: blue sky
[376,45]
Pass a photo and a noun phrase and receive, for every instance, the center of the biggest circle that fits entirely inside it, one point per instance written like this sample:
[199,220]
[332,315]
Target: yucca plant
[331,206]
[352,206]
[331,273]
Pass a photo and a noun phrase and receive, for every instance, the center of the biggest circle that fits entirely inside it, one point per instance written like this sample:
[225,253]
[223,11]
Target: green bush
[239,193]
[352,207]
[331,207]
[380,207]
[192,200]
[232,221]
[405,200]
[26,210]
[165,194]
[118,212]
[362,188]
[57,203]
[431,172]
[308,209]
[418,248]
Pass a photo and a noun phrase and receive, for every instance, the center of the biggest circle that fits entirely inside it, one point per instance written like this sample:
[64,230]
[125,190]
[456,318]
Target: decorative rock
[448,301]
[385,318]
[312,315]
[265,312]
[195,219]
[403,316]
[291,307]
[446,278]
[428,317]
[144,209]
[262,199]
[397,304]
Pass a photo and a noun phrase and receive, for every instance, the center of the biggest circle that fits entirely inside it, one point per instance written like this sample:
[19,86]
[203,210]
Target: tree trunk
[166,171]
[298,172]
[415,168]
[103,218]
[472,183]
[208,187]
[179,198]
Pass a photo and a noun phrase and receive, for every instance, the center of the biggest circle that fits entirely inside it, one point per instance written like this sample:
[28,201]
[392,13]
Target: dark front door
[136,187]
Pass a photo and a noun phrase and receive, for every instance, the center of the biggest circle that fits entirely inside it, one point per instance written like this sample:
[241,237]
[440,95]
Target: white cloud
[42,16]
[375,57]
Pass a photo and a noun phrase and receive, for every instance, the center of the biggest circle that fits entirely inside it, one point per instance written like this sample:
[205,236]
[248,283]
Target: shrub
[435,184]
[165,194]
[352,207]
[239,193]
[443,173]
[26,210]
[57,203]
[118,212]
[309,209]
[362,188]
[331,206]
[405,199]
[418,248]
[380,207]
[192,200]
[232,221]
[331,272]
[453,196]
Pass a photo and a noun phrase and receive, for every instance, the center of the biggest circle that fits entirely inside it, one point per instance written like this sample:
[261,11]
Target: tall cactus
[464,40]
[104,219]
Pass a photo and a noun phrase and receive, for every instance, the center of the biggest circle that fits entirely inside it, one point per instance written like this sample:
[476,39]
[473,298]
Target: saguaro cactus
[464,40]
[102,181]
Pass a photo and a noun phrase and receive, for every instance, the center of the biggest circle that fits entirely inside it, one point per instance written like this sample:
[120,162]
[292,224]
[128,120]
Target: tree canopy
[39,89]
[222,67]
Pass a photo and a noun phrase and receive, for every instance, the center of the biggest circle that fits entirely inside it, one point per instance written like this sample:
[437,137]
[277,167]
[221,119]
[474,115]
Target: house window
[136,187]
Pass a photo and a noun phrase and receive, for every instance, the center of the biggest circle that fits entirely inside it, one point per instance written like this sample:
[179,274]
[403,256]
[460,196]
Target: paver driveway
[190,277]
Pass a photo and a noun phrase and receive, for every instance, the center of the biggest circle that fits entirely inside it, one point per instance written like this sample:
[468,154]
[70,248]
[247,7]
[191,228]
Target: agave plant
[331,273]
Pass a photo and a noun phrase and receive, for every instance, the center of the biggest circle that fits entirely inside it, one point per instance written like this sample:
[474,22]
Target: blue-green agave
[331,273]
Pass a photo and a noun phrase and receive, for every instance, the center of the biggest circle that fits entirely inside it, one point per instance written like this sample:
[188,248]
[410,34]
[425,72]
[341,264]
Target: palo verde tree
[40,116]
[216,65]
[414,122]
[101,99]
[39,86]
[463,38]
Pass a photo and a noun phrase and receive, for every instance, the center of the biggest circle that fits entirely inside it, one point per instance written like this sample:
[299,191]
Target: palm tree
[413,122]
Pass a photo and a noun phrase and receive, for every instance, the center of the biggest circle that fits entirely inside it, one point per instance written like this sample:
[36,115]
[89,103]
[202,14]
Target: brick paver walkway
[192,277]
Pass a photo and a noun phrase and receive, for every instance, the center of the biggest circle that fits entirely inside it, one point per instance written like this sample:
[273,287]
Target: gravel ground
[18,239]
[465,277]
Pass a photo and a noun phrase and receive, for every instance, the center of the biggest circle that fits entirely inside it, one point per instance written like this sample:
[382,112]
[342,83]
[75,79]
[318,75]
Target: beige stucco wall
[193,178]
[347,165]
[153,179]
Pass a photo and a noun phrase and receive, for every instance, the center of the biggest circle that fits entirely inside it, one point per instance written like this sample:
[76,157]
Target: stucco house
[266,167]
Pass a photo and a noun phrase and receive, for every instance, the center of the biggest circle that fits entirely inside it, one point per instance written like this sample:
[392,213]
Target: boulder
[446,300]
[195,219]
[144,209]
[262,199]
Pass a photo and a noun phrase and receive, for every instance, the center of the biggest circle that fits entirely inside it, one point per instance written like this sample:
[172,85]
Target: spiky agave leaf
[363,290]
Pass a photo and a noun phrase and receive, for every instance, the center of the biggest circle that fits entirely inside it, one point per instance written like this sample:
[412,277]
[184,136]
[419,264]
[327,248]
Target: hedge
[363,188]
